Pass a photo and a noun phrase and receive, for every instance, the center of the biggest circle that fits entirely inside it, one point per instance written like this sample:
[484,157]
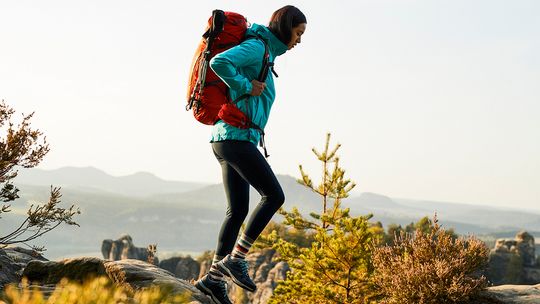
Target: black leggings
[243,165]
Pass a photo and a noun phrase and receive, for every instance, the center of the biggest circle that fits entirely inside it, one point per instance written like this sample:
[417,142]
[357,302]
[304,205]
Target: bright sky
[435,100]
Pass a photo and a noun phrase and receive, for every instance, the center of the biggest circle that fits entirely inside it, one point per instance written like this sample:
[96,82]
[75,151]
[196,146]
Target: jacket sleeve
[226,64]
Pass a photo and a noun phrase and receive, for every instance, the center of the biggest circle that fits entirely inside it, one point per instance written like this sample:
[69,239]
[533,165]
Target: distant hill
[183,216]
[140,184]
[465,218]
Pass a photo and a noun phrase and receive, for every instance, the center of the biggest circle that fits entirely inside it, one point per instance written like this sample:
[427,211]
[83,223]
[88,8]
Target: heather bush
[430,268]
[425,225]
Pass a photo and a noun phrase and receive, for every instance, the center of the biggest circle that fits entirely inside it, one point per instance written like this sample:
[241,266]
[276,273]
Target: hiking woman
[236,149]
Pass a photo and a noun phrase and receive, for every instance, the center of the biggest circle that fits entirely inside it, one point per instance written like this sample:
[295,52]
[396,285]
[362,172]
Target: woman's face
[297,32]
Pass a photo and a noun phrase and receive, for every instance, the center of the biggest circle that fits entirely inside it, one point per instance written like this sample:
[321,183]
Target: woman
[236,149]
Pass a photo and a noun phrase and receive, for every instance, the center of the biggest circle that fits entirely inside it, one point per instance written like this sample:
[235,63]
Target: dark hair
[283,20]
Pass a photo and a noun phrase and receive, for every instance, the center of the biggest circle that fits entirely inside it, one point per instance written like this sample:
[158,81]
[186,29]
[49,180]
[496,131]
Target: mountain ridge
[172,218]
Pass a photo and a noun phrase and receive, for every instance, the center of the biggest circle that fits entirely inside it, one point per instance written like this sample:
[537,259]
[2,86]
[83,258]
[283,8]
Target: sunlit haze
[435,100]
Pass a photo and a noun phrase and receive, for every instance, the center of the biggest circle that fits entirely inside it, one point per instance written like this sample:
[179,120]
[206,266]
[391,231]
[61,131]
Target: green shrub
[274,230]
[329,254]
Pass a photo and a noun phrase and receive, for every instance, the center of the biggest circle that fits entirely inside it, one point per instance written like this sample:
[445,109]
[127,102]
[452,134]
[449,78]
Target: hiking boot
[217,290]
[237,270]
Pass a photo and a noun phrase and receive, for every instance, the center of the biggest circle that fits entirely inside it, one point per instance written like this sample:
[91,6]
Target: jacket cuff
[248,88]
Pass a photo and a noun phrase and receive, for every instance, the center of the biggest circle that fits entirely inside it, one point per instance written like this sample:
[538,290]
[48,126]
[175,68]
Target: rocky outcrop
[185,268]
[123,248]
[131,273]
[265,272]
[204,267]
[136,274]
[13,259]
[514,261]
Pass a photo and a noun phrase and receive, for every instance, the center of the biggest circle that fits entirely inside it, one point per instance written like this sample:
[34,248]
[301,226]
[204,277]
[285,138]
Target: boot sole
[228,273]
[200,286]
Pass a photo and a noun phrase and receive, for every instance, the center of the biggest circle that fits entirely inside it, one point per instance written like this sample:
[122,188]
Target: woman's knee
[278,197]
[281,198]
[237,213]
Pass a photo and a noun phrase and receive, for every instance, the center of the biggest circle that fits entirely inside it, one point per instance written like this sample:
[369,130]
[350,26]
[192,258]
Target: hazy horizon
[430,100]
[152,211]
[354,193]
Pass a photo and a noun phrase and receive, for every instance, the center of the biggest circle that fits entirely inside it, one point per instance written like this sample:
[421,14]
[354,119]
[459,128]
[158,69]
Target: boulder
[185,268]
[13,259]
[515,294]
[9,270]
[131,273]
[75,269]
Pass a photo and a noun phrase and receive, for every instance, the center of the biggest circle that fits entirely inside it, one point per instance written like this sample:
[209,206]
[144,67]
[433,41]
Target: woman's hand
[258,88]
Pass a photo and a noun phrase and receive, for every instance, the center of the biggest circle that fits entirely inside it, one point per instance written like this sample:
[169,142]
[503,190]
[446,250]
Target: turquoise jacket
[237,67]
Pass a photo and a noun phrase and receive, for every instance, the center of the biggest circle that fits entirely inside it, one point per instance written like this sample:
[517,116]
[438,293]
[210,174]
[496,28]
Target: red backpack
[207,94]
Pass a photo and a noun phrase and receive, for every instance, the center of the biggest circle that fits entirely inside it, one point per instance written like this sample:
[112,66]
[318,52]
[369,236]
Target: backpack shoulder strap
[266,66]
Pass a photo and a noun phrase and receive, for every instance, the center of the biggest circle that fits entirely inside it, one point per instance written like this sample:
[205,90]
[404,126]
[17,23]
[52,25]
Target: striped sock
[214,272]
[242,247]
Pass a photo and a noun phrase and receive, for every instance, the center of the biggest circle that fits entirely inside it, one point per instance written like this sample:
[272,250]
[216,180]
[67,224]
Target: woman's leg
[250,164]
[237,193]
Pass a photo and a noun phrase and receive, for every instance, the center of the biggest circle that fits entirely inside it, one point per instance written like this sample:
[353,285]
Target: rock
[131,273]
[9,270]
[266,288]
[185,268]
[505,268]
[75,269]
[514,261]
[23,255]
[265,273]
[531,275]
[13,259]
[123,248]
[515,294]
[204,267]
[170,263]
[526,248]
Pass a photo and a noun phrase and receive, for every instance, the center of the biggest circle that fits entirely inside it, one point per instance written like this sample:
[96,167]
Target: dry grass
[95,291]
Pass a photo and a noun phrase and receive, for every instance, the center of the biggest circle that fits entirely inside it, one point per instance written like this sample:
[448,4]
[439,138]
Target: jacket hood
[274,44]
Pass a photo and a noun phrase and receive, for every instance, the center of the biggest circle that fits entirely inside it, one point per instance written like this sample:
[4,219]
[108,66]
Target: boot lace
[244,267]
[223,289]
